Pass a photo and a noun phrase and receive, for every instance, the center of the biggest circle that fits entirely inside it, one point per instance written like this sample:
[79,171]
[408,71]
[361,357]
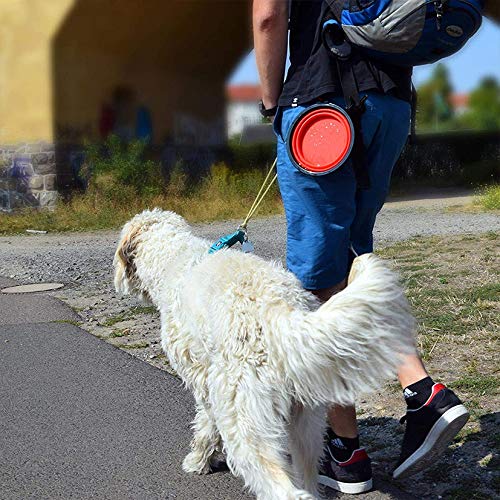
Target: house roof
[243,93]
[459,100]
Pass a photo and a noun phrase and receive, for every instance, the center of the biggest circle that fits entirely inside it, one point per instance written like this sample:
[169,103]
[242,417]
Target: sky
[479,58]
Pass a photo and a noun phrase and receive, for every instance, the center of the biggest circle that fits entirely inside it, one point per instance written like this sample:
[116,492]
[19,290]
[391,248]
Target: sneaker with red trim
[352,476]
[429,430]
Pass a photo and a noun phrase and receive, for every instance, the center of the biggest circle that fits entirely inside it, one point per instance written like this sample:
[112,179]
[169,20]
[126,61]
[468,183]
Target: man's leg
[385,125]
[319,212]
[435,414]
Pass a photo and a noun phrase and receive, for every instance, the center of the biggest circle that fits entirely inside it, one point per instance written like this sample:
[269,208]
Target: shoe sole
[351,488]
[436,442]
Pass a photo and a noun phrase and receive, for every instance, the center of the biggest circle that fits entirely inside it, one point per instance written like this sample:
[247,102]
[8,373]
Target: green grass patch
[487,292]
[136,345]
[477,383]
[118,333]
[489,198]
[116,319]
[133,311]
[444,303]
[143,310]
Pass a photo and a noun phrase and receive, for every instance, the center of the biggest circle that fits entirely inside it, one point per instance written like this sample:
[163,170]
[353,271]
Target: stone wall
[28,176]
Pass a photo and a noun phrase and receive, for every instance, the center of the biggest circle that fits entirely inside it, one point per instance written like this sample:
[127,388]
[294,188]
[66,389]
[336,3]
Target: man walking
[328,215]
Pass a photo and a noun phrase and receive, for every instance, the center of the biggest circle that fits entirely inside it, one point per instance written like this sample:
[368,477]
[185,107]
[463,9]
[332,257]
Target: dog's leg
[205,442]
[306,444]
[253,433]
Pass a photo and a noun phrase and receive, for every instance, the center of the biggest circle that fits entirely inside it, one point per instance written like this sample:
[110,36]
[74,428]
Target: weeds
[122,182]
[477,383]
[125,315]
[489,198]
[137,345]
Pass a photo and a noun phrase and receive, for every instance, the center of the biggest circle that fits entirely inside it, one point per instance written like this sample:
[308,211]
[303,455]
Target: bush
[490,198]
[126,165]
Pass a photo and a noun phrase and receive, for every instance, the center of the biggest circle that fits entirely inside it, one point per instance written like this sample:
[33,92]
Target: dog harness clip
[231,239]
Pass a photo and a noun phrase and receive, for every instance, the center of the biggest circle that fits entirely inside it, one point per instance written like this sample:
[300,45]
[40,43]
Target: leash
[261,194]
[240,234]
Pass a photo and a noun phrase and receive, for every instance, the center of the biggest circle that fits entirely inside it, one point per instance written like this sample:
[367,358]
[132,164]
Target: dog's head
[127,279]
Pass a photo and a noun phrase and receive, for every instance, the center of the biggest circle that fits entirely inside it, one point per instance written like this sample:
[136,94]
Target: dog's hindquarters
[351,342]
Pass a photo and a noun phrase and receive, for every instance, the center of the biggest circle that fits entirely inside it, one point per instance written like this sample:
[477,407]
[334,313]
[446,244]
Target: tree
[434,107]
[484,106]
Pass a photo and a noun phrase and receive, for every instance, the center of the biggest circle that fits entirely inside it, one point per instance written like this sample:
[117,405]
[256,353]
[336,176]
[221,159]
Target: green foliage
[251,156]
[223,182]
[490,198]
[484,106]
[126,165]
[434,108]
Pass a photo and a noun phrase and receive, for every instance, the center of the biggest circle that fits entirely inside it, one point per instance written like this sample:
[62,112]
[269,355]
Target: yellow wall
[61,59]
[26,28]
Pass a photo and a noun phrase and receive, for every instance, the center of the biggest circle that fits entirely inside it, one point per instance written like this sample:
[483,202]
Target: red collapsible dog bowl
[320,139]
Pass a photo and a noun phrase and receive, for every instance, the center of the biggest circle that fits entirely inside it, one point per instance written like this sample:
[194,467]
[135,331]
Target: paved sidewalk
[82,419]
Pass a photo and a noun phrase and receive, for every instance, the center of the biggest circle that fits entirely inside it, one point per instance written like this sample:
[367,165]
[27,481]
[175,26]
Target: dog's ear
[124,260]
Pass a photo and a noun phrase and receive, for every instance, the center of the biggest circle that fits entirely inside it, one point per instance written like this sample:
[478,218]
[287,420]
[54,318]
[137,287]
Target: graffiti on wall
[28,175]
[16,184]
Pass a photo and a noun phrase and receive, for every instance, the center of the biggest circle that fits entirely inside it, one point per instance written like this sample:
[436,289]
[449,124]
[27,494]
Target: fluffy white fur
[259,355]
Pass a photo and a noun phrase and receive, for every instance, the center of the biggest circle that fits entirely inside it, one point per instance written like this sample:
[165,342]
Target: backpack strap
[336,7]
[340,50]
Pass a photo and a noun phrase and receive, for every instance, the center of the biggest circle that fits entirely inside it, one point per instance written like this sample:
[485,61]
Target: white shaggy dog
[259,355]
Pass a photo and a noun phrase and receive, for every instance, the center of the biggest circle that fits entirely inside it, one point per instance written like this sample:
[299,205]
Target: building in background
[459,103]
[242,108]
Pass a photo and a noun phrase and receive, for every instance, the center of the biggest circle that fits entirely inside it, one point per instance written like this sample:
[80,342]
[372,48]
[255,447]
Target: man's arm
[270,32]
[492,10]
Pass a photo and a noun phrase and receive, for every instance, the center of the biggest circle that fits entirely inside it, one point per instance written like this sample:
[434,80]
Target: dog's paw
[303,495]
[193,463]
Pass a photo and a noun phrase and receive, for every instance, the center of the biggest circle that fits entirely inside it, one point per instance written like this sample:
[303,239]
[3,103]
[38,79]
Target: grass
[477,383]
[137,345]
[489,198]
[118,333]
[125,315]
[108,203]
[448,306]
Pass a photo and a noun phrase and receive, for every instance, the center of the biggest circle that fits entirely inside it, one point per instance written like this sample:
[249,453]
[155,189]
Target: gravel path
[84,259]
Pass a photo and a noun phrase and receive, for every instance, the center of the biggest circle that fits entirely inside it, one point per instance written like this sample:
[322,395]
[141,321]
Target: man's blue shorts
[327,214]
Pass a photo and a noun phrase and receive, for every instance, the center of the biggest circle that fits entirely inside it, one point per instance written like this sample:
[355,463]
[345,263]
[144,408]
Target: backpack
[406,32]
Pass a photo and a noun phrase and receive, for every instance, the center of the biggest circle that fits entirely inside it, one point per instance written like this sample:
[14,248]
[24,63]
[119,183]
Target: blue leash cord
[229,240]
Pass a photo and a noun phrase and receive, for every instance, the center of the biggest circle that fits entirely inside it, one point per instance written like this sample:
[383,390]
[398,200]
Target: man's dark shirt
[313,72]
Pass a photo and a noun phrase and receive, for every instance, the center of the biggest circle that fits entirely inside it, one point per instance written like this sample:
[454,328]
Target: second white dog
[259,355]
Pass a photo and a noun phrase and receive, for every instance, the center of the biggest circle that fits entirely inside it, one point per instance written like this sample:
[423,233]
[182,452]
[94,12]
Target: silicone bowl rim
[325,105]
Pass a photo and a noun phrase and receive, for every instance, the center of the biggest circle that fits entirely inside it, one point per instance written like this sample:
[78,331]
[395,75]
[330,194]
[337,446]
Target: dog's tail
[352,341]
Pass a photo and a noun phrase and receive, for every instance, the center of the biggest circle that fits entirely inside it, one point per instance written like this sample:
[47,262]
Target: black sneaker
[352,476]
[429,430]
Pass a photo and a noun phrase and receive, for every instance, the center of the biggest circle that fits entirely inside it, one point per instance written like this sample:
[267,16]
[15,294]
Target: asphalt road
[82,419]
